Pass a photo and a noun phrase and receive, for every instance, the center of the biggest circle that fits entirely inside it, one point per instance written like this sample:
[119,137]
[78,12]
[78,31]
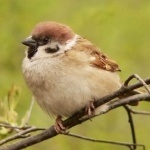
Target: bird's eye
[42,41]
[45,40]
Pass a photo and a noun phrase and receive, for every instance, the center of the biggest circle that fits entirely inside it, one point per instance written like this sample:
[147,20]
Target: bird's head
[48,38]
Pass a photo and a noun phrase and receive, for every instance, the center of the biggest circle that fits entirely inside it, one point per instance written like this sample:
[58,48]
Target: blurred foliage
[121,28]
[8,114]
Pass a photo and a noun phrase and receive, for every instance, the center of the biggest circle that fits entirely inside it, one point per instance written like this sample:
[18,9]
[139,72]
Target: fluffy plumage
[66,71]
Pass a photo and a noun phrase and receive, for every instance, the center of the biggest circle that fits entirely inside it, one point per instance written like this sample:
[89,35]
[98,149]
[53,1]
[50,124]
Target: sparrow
[65,72]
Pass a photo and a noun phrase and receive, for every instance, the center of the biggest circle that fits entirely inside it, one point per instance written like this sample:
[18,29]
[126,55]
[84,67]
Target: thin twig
[139,79]
[104,141]
[131,126]
[138,112]
[20,135]
[134,98]
[14,127]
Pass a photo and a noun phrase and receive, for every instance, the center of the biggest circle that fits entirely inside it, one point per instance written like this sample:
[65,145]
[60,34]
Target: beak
[29,42]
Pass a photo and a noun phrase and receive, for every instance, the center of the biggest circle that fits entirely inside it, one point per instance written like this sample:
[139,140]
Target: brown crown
[53,30]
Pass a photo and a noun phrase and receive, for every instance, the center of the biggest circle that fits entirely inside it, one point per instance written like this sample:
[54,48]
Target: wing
[98,59]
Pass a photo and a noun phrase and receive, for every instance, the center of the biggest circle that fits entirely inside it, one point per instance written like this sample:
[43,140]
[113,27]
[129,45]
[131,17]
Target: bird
[66,72]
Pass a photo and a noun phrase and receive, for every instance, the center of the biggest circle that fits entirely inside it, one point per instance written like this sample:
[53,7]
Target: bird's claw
[59,128]
[90,109]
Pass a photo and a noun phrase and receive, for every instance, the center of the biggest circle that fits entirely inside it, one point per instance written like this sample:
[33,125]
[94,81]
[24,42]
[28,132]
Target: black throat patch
[31,52]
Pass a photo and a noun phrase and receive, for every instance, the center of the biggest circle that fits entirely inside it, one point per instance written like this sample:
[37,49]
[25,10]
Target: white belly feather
[61,91]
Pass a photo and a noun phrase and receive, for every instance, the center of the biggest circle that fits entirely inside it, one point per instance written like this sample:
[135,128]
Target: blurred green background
[121,28]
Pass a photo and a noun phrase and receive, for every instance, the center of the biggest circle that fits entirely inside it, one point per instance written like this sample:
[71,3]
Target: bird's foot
[90,109]
[59,128]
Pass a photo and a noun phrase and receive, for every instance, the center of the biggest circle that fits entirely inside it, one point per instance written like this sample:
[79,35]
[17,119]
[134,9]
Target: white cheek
[71,43]
[41,53]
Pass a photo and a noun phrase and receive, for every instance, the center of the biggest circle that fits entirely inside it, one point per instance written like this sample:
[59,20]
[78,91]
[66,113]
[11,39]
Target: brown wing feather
[100,60]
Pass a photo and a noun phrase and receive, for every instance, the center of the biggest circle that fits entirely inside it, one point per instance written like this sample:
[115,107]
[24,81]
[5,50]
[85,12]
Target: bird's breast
[62,89]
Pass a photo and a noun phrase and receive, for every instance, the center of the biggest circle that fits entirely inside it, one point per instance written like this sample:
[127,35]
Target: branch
[138,78]
[139,112]
[21,134]
[104,141]
[131,125]
[78,117]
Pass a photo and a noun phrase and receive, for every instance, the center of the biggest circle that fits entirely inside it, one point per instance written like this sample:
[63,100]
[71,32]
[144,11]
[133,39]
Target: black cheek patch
[31,52]
[51,50]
